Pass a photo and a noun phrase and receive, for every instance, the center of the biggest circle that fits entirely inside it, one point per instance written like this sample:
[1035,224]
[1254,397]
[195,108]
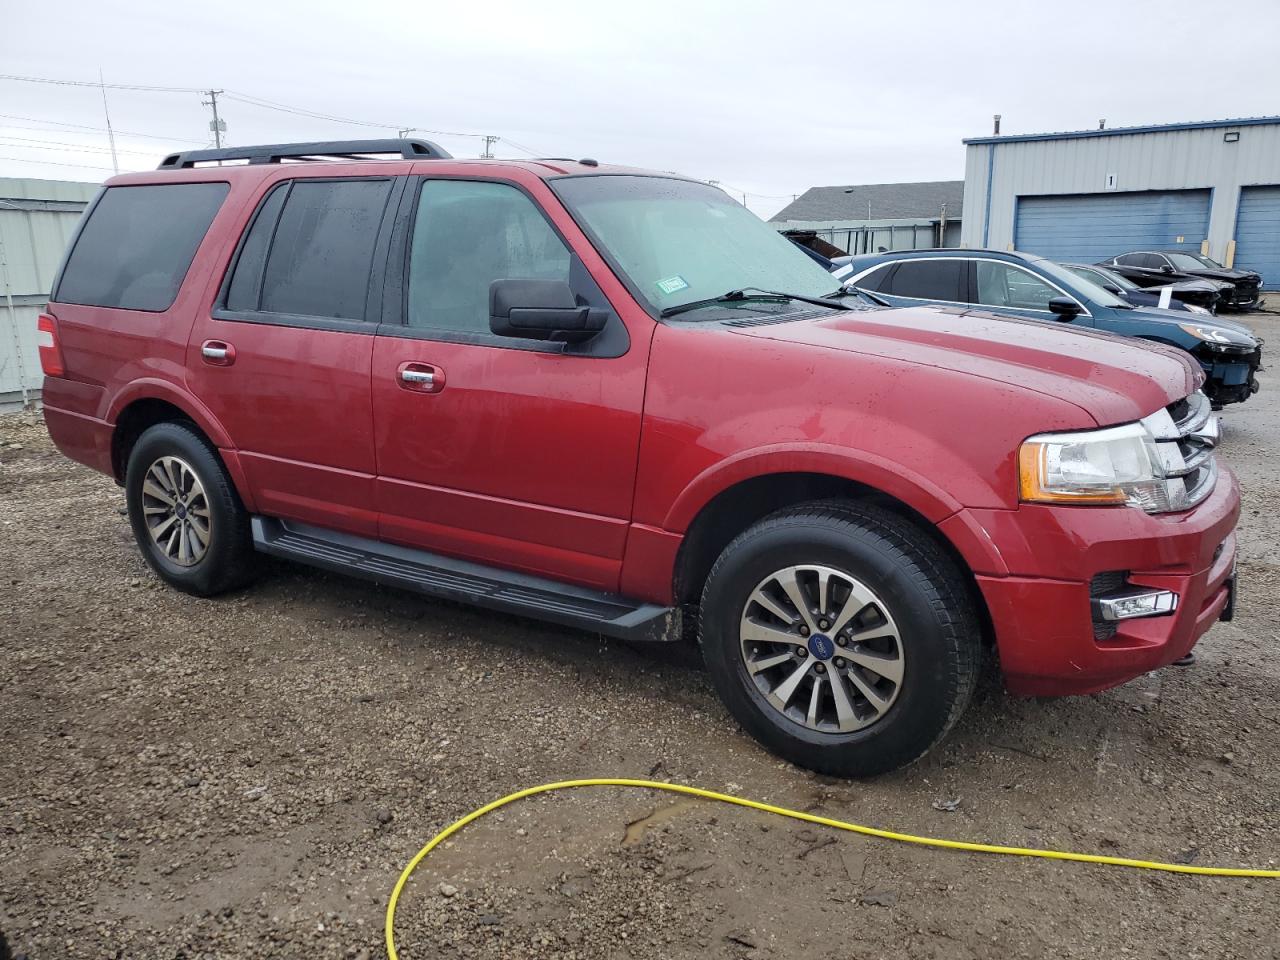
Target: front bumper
[1230,378]
[1042,614]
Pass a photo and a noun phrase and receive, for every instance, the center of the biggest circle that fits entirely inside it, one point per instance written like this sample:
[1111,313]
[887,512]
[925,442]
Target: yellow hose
[457,825]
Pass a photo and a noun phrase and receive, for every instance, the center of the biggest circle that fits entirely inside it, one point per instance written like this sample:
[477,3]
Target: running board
[473,583]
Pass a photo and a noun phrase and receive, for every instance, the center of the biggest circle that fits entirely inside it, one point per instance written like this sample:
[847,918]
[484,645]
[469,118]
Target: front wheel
[841,637]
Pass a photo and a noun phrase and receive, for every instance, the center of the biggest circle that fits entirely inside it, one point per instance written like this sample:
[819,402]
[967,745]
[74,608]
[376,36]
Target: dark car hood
[1186,286]
[1113,379]
[1231,276]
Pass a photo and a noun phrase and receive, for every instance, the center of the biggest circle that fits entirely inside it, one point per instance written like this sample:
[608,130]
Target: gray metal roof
[889,201]
[1127,131]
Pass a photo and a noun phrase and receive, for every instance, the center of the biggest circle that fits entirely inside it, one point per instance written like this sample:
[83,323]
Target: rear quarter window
[137,245]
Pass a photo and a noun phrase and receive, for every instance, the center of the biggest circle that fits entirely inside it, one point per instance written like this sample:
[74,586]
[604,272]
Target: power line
[89,83]
[66,147]
[82,126]
[317,115]
[55,163]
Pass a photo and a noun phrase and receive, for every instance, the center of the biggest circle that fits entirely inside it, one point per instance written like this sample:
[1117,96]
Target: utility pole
[111,136]
[489,141]
[217,126]
[404,132]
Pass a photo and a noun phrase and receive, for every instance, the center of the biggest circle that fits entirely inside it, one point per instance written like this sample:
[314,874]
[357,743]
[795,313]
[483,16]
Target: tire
[170,454]
[918,626]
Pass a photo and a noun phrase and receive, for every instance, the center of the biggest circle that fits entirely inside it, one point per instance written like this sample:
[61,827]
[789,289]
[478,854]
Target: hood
[1113,379]
[1196,283]
[1178,317]
[1231,276]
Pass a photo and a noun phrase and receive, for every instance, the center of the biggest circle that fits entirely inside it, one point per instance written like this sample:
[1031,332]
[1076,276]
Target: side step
[460,580]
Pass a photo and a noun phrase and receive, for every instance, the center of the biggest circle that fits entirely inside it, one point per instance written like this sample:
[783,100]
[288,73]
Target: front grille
[1186,434]
[1246,291]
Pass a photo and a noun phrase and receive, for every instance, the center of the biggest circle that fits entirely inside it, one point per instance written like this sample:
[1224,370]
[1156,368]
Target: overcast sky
[765,97]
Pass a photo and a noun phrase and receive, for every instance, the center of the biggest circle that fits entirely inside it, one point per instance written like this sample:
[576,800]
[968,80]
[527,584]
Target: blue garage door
[1258,234]
[1096,226]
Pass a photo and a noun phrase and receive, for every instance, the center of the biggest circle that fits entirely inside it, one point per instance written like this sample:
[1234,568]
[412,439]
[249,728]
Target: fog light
[1135,603]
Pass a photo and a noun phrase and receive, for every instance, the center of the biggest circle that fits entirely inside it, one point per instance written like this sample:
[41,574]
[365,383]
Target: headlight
[1211,335]
[1118,465]
[1195,309]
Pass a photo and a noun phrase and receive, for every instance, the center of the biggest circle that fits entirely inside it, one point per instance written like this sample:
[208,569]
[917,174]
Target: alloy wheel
[176,511]
[822,648]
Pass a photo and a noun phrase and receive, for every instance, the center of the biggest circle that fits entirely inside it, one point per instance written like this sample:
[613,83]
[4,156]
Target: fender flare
[888,477]
[150,388]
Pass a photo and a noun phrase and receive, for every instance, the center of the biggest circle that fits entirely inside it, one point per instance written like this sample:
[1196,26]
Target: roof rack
[325,150]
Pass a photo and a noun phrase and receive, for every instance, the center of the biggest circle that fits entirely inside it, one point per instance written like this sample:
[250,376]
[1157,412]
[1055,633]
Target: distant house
[877,216]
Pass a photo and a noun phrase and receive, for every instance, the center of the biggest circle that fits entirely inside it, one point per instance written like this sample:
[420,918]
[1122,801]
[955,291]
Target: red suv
[616,400]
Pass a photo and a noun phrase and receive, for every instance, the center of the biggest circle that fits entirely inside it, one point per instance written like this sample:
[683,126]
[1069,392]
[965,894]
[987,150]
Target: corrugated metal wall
[1177,159]
[1258,234]
[871,236]
[37,219]
[1098,226]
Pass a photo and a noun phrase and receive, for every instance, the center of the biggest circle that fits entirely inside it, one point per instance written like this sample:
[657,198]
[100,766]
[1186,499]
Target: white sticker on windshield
[672,284]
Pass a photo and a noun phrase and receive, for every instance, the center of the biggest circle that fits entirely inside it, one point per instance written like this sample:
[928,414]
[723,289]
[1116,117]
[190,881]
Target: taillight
[50,351]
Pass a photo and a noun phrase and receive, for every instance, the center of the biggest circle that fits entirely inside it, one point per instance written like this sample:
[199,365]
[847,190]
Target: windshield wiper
[750,293]
[847,291]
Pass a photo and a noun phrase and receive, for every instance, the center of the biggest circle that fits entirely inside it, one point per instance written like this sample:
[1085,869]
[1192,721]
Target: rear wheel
[185,513]
[841,637]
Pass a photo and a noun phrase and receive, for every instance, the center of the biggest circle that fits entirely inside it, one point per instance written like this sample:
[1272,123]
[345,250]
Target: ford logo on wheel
[820,646]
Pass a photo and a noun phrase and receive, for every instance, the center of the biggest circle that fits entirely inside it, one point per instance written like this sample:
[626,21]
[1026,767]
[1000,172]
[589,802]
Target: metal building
[37,218]
[876,217]
[1212,187]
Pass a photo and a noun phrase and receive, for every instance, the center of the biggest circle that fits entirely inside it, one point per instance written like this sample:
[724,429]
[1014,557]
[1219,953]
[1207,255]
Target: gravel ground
[246,776]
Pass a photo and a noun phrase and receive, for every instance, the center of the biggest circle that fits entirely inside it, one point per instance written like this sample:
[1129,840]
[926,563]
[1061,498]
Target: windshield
[1209,262]
[677,241]
[1185,261]
[1081,287]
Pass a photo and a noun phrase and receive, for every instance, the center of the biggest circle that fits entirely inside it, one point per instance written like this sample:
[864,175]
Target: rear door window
[874,279]
[136,247]
[928,280]
[321,254]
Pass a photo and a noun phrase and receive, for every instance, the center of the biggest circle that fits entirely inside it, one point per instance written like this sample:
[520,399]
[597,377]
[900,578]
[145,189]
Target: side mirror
[1166,269]
[1064,308]
[541,310]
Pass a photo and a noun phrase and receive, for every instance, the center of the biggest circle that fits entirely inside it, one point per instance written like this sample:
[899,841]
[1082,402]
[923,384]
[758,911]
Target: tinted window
[1185,261]
[1004,285]
[928,280]
[246,282]
[875,278]
[1152,261]
[137,245]
[1130,260]
[467,234]
[322,251]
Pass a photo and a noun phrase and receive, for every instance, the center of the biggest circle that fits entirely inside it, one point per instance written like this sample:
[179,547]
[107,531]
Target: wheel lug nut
[839,662]
[841,641]
[801,652]
[820,668]
[822,624]
[804,631]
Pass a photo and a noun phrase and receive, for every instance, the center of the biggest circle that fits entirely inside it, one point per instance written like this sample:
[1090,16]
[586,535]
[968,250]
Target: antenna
[111,135]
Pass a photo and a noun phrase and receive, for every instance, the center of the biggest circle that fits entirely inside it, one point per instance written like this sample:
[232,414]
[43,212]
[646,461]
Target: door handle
[420,377]
[218,353]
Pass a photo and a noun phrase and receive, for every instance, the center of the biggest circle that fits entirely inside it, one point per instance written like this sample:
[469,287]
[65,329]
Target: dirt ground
[246,776]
